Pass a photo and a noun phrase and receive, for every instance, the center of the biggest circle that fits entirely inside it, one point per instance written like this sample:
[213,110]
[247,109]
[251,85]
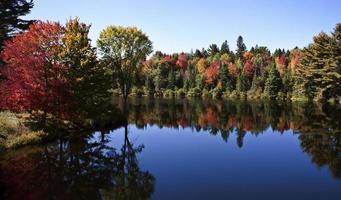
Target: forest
[51,70]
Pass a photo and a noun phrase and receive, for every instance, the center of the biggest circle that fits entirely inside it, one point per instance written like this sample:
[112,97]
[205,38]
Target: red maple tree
[281,63]
[168,59]
[34,77]
[182,61]
[212,72]
[248,68]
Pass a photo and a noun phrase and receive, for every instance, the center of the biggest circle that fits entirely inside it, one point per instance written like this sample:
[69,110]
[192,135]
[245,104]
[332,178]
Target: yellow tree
[123,49]
[201,66]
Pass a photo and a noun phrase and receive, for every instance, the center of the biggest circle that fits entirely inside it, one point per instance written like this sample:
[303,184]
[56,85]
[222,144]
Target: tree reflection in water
[82,168]
[318,126]
[86,168]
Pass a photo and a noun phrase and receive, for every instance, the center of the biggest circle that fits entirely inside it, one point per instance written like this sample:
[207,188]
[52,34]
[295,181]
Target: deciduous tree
[212,72]
[123,49]
[35,78]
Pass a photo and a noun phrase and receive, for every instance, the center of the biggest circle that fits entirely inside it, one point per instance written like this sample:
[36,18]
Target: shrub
[216,92]
[234,94]
[168,93]
[281,96]
[181,93]
[116,92]
[205,93]
[243,95]
[194,92]
[18,140]
[137,92]
[13,132]
[254,94]
[8,123]
[148,92]
[226,94]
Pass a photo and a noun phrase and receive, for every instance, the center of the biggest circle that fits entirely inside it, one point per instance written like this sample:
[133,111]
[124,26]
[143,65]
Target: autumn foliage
[212,72]
[248,68]
[247,55]
[281,63]
[182,62]
[201,66]
[233,69]
[34,77]
[168,59]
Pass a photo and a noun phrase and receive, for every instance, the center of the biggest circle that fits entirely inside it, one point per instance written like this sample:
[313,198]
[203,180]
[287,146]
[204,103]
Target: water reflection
[88,166]
[83,168]
[318,126]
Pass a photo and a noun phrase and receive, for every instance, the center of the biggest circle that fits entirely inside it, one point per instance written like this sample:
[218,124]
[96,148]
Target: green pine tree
[242,83]
[224,77]
[171,79]
[273,83]
[318,75]
[241,47]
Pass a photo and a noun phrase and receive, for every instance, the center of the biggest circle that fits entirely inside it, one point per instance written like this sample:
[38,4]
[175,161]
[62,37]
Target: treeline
[312,73]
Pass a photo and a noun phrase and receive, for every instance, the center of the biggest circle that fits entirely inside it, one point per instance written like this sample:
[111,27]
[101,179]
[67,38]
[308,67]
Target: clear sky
[182,25]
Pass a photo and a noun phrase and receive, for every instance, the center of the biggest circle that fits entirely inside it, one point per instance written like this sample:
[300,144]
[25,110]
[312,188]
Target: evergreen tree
[242,83]
[187,83]
[277,53]
[149,86]
[225,48]
[171,79]
[224,77]
[273,83]
[158,54]
[204,53]
[10,22]
[241,47]
[161,76]
[287,82]
[213,49]
[179,81]
[197,53]
[199,81]
[260,50]
[318,74]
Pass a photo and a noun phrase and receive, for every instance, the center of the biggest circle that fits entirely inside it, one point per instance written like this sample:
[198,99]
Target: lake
[189,149]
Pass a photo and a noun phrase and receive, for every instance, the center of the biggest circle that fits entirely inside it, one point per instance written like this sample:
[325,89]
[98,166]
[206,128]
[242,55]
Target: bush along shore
[17,130]
[15,133]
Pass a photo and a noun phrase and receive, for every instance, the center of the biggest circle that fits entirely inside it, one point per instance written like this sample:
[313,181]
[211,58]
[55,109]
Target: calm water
[189,149]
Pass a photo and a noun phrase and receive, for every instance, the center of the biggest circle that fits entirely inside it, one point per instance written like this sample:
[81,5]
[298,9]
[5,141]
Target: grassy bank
[15,133]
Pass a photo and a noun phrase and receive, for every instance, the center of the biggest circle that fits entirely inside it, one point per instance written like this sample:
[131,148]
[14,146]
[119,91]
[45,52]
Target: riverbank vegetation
[14,132]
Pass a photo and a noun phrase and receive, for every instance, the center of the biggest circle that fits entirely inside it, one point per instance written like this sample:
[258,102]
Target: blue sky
[176,26]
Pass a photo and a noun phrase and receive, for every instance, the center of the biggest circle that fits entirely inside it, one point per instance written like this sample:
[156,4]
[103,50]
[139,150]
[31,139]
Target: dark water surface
[189,149]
